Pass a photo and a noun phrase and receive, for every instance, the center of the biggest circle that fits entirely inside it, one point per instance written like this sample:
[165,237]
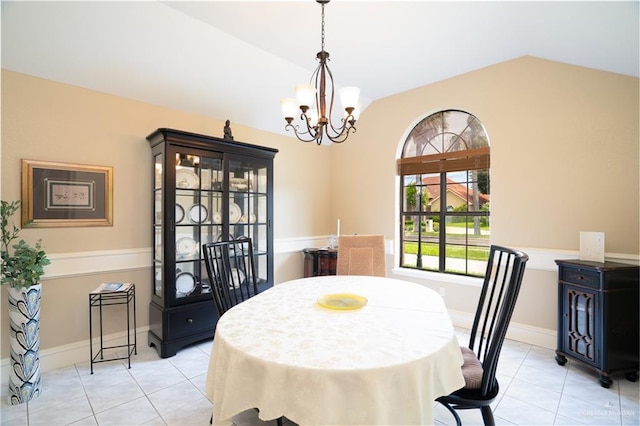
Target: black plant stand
[100,299]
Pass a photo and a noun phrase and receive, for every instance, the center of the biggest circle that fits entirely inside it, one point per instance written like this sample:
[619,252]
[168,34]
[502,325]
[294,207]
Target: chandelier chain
[322,32]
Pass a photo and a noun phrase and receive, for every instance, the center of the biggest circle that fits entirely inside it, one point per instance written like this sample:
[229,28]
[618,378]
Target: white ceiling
[236,59]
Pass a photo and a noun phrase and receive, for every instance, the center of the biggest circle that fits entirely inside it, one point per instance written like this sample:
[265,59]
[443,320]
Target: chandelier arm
[348,122]
[320,134]
[342,136]
[331,101]
[307,120]
[300,135]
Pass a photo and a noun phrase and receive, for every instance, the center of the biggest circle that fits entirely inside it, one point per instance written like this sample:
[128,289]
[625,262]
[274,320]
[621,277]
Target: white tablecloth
[383,364]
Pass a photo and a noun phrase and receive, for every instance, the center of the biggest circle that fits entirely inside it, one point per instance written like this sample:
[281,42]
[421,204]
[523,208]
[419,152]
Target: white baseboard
[521,332]
[77,352]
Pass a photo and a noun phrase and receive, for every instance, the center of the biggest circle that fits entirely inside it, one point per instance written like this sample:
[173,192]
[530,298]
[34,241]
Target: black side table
[99,299]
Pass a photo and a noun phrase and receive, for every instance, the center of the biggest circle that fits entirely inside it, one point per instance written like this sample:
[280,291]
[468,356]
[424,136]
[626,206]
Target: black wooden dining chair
[232,275]
[500,289]
[231,270]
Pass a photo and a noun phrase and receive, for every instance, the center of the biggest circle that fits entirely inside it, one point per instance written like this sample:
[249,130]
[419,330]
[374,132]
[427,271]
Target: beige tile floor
[155,391]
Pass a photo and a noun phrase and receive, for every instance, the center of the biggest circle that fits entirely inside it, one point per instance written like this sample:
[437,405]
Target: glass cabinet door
[158,213]
[248,213]
[579,314]
[198,219]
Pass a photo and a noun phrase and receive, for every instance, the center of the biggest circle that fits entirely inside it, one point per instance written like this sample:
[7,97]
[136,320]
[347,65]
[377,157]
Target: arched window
[444,178]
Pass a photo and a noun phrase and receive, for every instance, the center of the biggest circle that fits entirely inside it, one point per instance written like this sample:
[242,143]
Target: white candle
[338,234]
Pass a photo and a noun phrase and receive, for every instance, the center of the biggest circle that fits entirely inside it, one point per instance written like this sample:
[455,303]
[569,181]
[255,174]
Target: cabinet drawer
[191,320]
[580,277]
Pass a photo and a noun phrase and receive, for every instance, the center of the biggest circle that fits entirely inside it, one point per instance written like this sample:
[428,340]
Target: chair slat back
[502,281]
[231,269]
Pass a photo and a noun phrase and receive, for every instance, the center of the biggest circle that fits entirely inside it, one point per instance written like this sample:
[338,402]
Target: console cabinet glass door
[579,314]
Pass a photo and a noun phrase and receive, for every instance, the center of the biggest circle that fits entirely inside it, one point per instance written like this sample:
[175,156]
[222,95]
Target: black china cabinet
[205,189]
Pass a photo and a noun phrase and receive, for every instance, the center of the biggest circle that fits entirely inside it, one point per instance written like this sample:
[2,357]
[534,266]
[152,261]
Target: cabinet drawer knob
[189,320]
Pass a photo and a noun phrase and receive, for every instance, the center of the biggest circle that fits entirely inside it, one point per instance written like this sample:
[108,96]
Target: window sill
[439,277]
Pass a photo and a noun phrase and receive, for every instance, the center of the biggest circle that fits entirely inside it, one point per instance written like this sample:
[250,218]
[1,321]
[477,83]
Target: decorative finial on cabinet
[227,131]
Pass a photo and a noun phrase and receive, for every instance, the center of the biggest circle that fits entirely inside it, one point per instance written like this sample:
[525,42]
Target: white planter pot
[24,339]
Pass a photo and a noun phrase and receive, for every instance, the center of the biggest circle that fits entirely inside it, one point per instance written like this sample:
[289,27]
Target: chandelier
[311,103]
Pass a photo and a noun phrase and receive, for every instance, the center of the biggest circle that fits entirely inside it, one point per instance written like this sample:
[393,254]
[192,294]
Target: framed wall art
[62,194]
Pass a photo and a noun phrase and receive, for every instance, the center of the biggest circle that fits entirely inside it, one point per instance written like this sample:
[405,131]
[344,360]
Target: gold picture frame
[66,195]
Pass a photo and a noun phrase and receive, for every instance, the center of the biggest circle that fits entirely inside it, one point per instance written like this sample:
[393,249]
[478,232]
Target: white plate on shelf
[186,246]
[239,184]
[185,284]
[250,219]
[186,178]
[179,213]
[234,213]
[237,278]
[217,217]
[198,213]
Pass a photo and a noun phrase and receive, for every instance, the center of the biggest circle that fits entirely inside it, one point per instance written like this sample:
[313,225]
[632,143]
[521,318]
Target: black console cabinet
[598,317]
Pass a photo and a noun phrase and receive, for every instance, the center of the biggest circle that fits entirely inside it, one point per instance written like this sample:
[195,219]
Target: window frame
[472,157]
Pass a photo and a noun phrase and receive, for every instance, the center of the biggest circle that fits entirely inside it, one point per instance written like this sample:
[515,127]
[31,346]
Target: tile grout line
[564,383]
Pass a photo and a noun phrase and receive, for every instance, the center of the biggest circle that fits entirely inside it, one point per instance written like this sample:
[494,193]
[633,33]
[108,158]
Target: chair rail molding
[95,262]
[104,261]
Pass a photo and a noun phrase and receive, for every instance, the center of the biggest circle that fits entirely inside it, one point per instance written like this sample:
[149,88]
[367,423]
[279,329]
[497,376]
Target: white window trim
[438,276]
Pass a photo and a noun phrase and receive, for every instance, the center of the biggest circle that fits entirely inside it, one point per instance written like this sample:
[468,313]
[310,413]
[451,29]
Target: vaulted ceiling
[236,59]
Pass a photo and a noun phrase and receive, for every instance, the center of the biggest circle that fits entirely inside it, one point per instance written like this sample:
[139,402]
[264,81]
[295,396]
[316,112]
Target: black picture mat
[41,178]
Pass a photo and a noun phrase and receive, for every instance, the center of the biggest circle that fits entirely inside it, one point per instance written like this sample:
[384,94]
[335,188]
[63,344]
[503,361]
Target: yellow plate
[342,301]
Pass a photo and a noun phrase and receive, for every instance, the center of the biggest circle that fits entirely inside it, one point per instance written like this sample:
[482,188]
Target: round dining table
[381,362]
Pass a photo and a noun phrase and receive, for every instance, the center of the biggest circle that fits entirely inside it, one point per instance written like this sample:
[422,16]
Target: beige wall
[49,121]
[564,159]
[564,143]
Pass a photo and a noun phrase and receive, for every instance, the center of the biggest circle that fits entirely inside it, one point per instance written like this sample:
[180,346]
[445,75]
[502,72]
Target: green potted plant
[22,266]
[25,266]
